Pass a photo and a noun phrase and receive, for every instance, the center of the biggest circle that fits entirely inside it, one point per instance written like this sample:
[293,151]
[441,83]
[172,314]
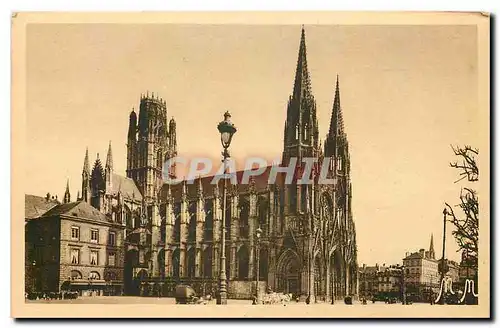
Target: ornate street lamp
[258,233]
[227,130]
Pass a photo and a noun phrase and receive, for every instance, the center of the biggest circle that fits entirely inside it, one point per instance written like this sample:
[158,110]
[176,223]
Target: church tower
[149,145]
[337,151]
[300,137]
[301,125]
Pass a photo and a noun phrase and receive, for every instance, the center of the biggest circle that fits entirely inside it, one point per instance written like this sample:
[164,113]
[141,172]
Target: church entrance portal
[288,273]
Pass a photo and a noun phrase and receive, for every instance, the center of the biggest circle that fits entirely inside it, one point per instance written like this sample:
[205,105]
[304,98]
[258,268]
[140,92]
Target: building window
[75,233]
[111,259]
[75,256]
[93,257]
[75,275]
[94,275]
[94,235]
[112,239]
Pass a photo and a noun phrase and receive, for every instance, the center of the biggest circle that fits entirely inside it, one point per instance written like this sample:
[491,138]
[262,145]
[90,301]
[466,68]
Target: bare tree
[467,163]
[466,224]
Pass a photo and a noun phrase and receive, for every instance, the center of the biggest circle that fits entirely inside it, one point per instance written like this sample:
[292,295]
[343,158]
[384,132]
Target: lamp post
[258,233]
[443,266]
[33,276]
[227,130]
[403,285]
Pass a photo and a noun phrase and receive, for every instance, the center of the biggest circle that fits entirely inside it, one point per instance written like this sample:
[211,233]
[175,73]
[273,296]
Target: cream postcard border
[20,309]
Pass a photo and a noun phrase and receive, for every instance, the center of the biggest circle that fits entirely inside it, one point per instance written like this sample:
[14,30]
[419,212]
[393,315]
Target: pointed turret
[108,171]
[172,144]
[86,193]
[432,254]
[109,158]
[67,196]
[86,165]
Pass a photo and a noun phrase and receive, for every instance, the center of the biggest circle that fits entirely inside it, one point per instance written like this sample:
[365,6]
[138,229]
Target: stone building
[421,274]
[368,281]
[172,233]
[34,207]
[380,281]
[75,247]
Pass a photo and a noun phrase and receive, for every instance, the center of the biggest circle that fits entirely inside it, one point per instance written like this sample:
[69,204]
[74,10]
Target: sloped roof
[36,206]
[126,186]
[369,269]
[415,255]
[261,183]
[79,209]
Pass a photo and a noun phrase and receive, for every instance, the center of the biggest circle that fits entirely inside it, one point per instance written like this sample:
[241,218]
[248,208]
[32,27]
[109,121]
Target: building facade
[380,281]
[421,274]
[172,233]
[74,247]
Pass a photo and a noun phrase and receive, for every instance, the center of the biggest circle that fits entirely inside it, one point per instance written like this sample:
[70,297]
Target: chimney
[47,197]
[422,252]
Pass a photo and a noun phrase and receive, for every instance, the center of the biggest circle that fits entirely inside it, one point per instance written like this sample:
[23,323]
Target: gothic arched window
[262,212]
[244,213]
[209,220]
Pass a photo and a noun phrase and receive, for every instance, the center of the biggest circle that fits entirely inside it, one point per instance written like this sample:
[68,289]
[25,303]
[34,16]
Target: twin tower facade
[173,232]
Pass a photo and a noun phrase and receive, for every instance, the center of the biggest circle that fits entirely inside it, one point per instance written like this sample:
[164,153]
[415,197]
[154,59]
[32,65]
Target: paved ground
[169,300]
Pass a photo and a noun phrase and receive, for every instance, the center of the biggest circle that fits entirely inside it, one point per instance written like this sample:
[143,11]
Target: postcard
[245,164]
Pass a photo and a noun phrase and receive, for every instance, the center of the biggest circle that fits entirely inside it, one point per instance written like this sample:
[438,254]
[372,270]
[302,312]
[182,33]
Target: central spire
[302,86]
[301,125]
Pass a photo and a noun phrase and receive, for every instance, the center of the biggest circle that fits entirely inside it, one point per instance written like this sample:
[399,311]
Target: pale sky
[407,93]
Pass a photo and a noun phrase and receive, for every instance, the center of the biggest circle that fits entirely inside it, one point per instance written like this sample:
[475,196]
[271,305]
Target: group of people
[50,295]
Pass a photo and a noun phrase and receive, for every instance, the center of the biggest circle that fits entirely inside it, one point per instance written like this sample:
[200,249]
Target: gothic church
[172,233]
